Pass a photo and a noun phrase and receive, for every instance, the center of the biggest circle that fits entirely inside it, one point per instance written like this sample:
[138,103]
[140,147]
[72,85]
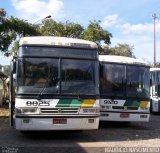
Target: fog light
[26,120]
[27,110]
[90,120]
[143,116]
[105,115]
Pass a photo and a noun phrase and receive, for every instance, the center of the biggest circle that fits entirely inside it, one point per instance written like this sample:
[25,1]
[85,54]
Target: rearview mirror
[13,65]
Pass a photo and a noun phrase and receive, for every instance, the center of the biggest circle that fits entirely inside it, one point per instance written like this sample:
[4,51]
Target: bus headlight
[144,109]
[90,110]
[27,110]
[105,107]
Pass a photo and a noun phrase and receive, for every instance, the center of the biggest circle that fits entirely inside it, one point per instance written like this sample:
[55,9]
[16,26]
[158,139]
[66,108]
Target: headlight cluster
[105,107]
[90,110]
[144,108]
[27,110]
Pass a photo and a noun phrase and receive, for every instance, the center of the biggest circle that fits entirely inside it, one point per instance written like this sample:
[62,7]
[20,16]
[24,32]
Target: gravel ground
[110,134]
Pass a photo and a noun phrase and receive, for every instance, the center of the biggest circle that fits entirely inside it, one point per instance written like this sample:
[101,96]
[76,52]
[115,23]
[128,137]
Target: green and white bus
[124,89]
[155,90]
[57,84]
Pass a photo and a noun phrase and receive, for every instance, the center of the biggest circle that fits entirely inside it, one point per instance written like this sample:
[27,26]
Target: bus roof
[155,69]
[121,59]
[57,41]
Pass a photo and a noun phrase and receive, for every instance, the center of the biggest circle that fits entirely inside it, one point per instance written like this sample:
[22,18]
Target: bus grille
[59,110]
[125,107]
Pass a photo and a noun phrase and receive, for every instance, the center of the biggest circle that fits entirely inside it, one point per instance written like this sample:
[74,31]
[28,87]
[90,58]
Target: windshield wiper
[39,97]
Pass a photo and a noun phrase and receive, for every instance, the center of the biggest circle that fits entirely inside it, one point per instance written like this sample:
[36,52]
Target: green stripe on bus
[75,103]
[64,103]
[69,103]
[134,103]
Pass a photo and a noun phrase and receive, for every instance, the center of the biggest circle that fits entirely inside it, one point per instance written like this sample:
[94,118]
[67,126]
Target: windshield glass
[155,76]
[50,75]
[138,81]
[78,77]
[112,77]
[34,74]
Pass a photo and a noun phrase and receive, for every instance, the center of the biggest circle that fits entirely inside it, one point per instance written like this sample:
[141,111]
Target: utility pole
[154,16]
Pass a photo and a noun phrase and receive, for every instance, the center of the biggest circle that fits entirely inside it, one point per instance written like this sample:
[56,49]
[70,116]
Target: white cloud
[38,9]
[139,35]
[109,21]
[143,45]
[138,28]
[114,21]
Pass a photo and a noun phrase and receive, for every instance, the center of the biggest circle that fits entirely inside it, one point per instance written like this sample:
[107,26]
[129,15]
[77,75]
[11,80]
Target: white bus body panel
[121,59]
[114,116]
[155,100]
[47,124]
[107,113]
[43,121]
[155,104]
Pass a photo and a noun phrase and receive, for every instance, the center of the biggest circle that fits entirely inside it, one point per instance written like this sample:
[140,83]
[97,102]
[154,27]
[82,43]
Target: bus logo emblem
[125,107]
[59,110]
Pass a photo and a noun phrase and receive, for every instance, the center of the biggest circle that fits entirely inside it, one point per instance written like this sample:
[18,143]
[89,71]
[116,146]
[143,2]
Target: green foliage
[15,47]
[96,33]
[93,32]
[120,49]
[6,37]
[7,70]
[157,65]
[11,29]
[2,12]
[22,27]
[52,28]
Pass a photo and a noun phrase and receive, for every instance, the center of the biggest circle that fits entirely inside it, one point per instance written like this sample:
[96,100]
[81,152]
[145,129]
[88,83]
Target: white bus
[124,89]
[57,84]
[155,90]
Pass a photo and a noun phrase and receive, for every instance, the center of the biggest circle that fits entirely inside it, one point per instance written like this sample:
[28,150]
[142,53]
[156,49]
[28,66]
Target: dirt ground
[110,135]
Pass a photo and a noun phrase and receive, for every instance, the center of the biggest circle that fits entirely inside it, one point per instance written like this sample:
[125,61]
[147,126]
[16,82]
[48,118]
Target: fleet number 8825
[36,103]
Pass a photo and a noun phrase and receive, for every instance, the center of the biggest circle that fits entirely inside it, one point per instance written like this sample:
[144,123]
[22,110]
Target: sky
[129,21]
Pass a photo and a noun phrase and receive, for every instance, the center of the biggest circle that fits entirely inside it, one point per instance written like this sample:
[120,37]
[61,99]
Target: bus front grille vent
[59,110]
[125,107]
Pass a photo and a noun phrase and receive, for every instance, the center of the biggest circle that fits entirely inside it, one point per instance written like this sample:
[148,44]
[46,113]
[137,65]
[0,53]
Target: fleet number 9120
[36,103]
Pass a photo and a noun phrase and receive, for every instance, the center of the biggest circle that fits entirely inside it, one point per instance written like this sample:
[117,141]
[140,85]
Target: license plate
[124,115]
[59,121]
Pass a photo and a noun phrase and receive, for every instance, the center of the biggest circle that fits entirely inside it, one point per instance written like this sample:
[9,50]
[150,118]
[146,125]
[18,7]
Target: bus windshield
[121,80]
[112,77]
[155,76]
[78,76]
[137,81]
[55,76]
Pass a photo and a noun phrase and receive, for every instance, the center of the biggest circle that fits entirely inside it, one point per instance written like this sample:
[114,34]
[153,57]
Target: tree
[7,70]
[52,28]
[6,37]
[96,33]
[120,49]
[93,32]
[11,29]
[157,65]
